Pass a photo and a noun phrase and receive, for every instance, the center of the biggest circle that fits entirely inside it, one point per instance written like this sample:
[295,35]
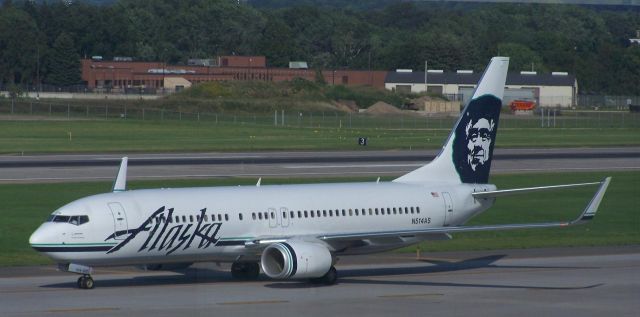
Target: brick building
[119,76]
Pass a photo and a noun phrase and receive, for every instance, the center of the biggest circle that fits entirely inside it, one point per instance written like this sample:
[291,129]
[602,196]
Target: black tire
[80,282]
[253,271]
[329,278]
[88,283]
[245,270]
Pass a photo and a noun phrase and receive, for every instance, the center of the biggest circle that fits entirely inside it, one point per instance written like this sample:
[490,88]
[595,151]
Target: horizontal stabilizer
[507,192]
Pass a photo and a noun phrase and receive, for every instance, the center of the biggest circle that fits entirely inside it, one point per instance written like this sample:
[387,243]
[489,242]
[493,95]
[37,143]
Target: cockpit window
[61,219]
[74,220]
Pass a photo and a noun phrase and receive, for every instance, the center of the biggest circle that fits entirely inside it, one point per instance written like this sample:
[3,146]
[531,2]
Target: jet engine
[295,259]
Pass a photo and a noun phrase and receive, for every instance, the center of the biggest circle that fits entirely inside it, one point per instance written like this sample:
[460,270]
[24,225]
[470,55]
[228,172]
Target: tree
[19,42]
[64,62]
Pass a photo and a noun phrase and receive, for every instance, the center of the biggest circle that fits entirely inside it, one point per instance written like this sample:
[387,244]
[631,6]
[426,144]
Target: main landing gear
[85,282]
[329,278]
[245,270]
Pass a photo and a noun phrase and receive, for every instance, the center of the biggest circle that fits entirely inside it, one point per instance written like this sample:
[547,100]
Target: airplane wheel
[329,278]
[88,283]
[85,282]
[245,270]
[253,271]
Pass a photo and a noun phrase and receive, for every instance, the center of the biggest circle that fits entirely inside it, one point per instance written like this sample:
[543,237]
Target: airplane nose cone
[36,237]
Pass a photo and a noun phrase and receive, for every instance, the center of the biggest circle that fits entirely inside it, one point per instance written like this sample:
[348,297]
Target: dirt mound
[382,107]
[347,105]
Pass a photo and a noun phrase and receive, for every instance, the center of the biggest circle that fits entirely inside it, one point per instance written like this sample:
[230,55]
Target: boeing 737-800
[294,231]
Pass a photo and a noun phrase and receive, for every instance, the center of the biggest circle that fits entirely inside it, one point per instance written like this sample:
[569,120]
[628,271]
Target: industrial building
[557,89]
[151,77]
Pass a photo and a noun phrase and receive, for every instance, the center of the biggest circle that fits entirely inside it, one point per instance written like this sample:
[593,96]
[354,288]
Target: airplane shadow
[346,276]
[351,276]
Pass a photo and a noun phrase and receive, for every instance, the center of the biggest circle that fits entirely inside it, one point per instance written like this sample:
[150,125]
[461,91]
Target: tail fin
[466,156]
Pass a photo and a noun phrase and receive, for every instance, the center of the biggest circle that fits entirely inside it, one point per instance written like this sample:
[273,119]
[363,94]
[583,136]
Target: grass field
[126,136]
[617,223]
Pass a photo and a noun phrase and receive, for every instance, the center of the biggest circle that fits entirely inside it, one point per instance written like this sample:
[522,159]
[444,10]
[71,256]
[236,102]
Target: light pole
[425,78]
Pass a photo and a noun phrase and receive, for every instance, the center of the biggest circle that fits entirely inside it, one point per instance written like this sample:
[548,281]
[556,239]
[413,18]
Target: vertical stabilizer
[466,156]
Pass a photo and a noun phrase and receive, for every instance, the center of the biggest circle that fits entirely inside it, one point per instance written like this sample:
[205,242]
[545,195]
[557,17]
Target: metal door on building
[120,224]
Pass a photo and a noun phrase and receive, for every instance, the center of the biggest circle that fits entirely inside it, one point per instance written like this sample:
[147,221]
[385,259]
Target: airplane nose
[36,237]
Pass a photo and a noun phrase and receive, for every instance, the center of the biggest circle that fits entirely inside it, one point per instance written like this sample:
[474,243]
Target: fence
[544,118]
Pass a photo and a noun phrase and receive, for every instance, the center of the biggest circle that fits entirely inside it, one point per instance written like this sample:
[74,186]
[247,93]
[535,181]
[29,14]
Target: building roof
[472,79]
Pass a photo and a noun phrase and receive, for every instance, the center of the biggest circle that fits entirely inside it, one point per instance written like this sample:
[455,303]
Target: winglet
[591,209]
[121,180]
[259,182]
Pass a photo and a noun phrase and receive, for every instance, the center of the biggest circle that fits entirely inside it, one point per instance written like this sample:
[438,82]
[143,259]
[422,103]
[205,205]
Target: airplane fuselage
[216,223]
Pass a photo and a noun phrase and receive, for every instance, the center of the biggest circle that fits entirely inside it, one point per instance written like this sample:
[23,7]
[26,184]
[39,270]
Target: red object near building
[522,105]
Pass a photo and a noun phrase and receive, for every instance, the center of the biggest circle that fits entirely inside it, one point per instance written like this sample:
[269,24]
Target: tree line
[45,40]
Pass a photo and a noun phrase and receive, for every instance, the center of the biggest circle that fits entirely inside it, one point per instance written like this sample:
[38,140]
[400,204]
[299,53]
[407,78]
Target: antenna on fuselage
[121,180]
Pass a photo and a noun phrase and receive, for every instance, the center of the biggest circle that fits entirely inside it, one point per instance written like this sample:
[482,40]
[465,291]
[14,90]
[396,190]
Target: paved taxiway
[298,164]
[541,282]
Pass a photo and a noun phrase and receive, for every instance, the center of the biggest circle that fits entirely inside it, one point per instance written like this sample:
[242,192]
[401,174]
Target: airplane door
[448,208]
[120,225]
[273,217]
[284,221]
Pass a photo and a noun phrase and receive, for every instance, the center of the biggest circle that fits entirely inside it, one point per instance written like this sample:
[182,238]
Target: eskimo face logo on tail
[479,141]
[474,139]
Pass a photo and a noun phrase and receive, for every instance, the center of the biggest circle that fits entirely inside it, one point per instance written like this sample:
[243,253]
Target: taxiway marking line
[410,295]
[82,310]
[254,302]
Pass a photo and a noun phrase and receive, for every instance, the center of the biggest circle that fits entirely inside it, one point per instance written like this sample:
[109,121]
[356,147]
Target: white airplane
[294,231]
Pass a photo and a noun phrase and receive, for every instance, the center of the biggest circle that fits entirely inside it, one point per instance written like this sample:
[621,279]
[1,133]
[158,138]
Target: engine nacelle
[295,259]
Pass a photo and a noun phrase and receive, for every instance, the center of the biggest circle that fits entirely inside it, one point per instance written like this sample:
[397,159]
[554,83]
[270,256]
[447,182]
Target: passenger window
[253,215]
[226,217]
[324,213]
[184,218]
[344,213]
[356,212]
[292,214]
[388,211]
[260,215]
[411,210]
[330,212]
[284,214]
[394,210]
[219,217]
[299,214]
[406,210]
[312,214]
[370,211]
[376,211]
[418,209]
[240,216]
[305,214]
[190,218]
[177,219]
[273,215]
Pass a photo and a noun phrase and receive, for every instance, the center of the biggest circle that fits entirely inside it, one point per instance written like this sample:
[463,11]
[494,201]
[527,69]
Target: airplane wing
[587,214]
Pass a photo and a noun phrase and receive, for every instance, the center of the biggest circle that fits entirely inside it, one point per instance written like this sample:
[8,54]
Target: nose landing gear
[85,282]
